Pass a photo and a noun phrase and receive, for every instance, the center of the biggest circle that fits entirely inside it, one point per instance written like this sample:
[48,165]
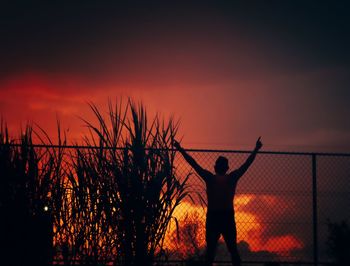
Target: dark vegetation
[339,242]
[27,179]
[109,202]
[189,239]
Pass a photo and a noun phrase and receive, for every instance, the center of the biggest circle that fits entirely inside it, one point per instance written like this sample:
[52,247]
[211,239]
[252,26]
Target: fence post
[314,210]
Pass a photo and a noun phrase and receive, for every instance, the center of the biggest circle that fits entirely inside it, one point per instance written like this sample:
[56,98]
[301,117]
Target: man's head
[221,165]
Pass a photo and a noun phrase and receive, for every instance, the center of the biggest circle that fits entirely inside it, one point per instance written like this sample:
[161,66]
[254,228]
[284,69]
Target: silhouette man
[220,189]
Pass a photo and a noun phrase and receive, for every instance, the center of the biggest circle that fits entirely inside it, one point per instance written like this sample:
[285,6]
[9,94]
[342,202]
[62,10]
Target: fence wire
[274,205]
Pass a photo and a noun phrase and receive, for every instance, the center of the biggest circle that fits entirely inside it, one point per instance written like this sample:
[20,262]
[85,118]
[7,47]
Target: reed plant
[25,185]
[125,185]
[111,200]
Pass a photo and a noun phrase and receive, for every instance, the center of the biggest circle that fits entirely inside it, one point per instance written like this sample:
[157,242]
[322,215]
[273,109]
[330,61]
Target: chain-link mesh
[273,207]
[333,197]
[273,204]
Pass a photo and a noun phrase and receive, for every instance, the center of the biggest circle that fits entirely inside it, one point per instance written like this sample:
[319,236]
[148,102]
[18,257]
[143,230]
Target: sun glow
[248,226]
[188,226]
[289,243]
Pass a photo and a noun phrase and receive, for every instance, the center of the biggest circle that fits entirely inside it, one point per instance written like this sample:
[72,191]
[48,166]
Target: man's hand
[177,144]
[258,144]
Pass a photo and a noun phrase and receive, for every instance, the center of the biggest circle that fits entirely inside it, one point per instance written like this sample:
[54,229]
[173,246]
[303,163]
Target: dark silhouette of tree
[339,242]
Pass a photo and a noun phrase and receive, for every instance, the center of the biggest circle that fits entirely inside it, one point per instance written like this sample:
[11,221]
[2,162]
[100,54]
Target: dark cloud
[90,38]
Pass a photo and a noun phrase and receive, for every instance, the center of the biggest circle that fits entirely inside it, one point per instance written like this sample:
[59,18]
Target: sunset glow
[249,228]
[225,72]
[289,243]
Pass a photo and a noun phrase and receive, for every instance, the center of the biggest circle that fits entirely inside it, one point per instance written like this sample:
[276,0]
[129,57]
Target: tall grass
[112,200]
[25,185]
[128,185]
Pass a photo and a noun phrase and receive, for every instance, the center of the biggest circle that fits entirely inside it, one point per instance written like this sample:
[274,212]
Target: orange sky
[228,116]
[230,72]
[250,227]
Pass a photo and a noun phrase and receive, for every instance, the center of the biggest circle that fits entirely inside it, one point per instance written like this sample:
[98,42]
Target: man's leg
[212,235]
[229,233]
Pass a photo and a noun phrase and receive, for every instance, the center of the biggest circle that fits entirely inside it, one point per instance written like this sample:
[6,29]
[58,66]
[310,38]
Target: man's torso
[220,192]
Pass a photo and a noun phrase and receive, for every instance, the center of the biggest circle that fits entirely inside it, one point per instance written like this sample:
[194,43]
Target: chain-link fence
[283,206]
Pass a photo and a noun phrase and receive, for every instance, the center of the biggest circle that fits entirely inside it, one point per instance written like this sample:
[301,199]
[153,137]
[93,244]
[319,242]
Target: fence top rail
[56,146]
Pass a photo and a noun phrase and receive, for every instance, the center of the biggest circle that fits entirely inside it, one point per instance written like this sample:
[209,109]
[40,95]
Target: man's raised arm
[244,167]
[200,171]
